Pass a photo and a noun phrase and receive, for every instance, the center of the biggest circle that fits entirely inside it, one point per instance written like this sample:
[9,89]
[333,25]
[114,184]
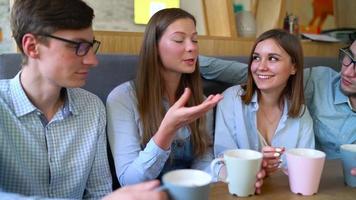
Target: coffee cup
[187,184]
[242,166]
[305,167]
[348,157]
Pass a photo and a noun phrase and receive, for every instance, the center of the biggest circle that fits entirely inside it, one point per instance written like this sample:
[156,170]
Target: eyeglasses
[346,58]
[81,48]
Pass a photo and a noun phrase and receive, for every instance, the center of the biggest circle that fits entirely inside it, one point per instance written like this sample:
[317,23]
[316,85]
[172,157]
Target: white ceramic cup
[305,167]
[187,184]
[242,166]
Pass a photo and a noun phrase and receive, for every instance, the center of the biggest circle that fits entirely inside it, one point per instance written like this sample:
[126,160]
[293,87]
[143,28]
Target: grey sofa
[114,69]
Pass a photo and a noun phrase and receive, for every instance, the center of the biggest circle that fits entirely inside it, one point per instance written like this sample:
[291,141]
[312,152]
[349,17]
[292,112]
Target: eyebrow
[352,53]
[269,54]
[184,33]
[83,40]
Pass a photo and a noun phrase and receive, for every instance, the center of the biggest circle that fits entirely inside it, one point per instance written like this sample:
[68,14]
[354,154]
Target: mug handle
[218,161]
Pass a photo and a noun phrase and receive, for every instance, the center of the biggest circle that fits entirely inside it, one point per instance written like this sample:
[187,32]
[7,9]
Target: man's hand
[140,191]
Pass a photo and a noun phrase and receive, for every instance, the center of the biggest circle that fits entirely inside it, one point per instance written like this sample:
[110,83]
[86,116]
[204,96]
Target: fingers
[153,195]
[353,171]
[272,152]
[206,105]
[260,176]
[183,99]
[271,156]
[149,185]
[195,112]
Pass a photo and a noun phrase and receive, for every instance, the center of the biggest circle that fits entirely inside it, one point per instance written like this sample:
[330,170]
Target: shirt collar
[349,103]
[254,100]
[22,105]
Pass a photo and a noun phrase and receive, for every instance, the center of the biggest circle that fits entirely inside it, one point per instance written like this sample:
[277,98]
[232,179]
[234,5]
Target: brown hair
[42,17]
[294,88]
[150,87]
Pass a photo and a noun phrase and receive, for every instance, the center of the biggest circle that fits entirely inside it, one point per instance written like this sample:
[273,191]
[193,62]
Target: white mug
[242,166]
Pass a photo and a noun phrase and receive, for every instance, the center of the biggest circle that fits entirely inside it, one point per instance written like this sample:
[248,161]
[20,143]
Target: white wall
[6,45]
[118,15]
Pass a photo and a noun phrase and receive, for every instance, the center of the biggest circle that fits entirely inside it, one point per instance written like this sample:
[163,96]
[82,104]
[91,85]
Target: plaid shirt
[63,158]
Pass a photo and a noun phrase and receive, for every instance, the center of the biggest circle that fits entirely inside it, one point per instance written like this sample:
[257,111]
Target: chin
[76,84]
[347,92]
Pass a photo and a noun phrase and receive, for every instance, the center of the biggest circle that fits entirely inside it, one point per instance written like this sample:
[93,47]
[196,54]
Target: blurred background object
[321,9]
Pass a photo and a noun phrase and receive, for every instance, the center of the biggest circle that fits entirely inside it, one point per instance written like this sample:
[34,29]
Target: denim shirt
[334,120]
[135,164]
[181,156]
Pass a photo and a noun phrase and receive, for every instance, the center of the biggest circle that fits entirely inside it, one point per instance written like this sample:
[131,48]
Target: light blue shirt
[135,164]
[236,125]
[63,158]
[334,121]
[223,70]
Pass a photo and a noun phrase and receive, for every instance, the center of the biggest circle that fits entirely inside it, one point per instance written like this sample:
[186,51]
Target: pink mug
[305,167]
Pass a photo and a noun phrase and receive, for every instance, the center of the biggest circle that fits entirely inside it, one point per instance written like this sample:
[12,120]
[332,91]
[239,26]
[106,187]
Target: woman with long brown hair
[268,113]
[160,121]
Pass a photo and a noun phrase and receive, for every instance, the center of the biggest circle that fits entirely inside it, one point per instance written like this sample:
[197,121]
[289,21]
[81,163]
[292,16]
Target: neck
[353,102]
[269,100]
[171,82]
[44,96]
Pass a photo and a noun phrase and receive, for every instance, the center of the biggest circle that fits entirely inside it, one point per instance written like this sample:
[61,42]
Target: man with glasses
[330,97]
[52,133]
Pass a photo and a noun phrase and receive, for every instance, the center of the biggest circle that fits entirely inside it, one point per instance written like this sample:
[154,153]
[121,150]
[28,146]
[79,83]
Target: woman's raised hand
[179,115]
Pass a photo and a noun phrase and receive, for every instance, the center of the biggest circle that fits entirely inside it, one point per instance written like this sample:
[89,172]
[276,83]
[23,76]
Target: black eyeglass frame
[95,44]
[346,53]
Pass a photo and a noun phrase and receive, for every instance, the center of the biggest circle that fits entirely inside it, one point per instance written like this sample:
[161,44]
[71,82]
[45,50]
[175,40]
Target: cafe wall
[6,44]
[114,15]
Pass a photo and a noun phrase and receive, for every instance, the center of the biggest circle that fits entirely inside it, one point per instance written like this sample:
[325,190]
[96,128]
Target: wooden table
[276,187]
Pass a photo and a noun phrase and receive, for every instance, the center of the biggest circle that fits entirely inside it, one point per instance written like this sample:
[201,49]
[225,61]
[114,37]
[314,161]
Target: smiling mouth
[346,82]
[260,76]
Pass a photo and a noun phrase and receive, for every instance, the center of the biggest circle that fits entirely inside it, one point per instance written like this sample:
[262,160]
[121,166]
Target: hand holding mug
[146,190]
[272,158]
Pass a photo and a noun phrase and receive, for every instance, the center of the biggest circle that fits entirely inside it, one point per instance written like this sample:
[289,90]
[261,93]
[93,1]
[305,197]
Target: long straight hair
[150,86]
[294,88]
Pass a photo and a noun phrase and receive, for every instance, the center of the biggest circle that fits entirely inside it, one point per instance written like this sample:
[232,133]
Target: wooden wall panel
[219,17]
[130,43]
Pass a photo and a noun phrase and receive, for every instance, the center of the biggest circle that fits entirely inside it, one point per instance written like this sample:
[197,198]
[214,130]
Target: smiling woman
[268,114]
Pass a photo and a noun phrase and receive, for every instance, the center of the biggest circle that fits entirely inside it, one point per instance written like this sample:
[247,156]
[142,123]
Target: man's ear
[30,45]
